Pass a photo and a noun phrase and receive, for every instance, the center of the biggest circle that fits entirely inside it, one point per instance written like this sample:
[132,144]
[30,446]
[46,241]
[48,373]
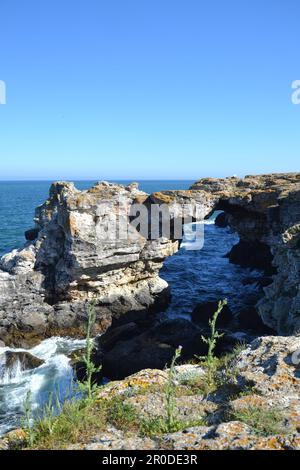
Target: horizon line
[38,180]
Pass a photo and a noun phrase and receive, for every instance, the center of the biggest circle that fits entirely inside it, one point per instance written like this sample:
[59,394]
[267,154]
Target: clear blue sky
[143,89]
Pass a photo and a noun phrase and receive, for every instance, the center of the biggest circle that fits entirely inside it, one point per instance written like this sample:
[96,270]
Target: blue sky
[148,89]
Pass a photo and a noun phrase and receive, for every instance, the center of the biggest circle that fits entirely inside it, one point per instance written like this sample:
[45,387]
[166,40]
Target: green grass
[122,415]
[77,421]
[156,426]
[264,421]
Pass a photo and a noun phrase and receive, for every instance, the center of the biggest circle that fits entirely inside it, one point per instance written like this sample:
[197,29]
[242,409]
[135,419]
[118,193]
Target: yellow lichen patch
[140,199]
[16,434]
[13,439]
[249,400]
[164,198]
[140,381]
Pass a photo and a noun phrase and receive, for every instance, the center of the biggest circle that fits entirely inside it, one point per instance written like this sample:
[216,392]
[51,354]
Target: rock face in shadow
[222,220]
[131,347]
[74,256]
[203,312]
[248,319]
[252,254]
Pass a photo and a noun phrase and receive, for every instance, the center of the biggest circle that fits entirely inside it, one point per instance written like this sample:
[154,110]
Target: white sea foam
[54,375]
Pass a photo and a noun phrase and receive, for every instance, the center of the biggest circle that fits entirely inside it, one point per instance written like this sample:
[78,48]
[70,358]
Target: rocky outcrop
[74,257]
[255,406]
[265,211]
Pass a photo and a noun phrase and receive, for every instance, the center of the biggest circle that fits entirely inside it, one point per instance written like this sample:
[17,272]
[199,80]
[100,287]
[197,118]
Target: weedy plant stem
[88,386]
[170,391]
[211,341]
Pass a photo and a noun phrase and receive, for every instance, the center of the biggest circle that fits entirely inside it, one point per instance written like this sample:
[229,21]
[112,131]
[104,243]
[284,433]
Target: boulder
[254,255]
[31,234]
[128,349]
[249,319]
[26,360]
[203,312]
[152,348]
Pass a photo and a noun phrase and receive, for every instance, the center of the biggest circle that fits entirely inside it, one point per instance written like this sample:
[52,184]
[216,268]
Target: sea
[194,276]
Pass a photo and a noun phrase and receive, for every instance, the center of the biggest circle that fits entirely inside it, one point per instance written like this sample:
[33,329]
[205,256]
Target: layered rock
[77,257]
[265,211]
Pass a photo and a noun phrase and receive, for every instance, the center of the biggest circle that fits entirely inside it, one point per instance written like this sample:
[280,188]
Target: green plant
[153,427]
[87,386]
[169,422]
[210,361]
[28,418]
[52,408]
[78,420]
[264,421]
[61,424]
[170,389]
[214,334]
[122,415]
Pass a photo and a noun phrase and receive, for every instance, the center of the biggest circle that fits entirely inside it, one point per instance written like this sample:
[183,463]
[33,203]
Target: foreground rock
[260,379]
[250,402]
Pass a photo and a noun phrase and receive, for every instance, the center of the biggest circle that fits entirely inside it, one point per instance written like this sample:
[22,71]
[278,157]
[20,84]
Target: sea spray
[55,375]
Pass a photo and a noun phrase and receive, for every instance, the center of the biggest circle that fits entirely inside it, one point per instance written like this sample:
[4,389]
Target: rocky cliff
[265,211]
[74,257]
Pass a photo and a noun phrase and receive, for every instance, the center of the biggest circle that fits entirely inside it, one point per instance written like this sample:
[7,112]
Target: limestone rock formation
[76,258]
